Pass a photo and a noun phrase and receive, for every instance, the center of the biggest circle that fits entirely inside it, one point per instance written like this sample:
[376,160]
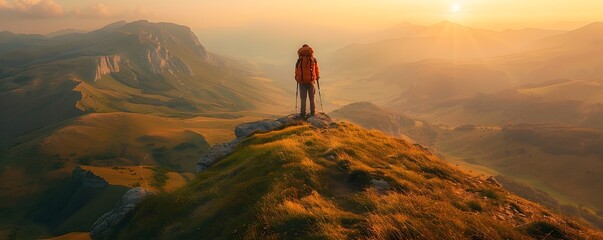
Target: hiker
[306,73]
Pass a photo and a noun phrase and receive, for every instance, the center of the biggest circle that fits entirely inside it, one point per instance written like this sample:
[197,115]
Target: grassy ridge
[112,145]
[345,182]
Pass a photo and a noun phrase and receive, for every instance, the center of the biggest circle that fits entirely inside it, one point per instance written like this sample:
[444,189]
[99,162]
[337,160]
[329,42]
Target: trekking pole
[296,95]
[320,96]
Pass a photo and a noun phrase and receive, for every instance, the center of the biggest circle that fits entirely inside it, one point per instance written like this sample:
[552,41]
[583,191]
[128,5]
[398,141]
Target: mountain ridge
[338,182]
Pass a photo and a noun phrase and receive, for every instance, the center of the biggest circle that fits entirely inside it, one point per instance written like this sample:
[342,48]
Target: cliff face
[160,60]
[107,65]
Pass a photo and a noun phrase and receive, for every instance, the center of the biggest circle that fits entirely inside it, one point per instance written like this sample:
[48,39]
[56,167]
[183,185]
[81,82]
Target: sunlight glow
[455,7]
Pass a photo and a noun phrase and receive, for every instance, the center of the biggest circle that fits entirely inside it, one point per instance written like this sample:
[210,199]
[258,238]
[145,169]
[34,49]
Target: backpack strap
[300,66]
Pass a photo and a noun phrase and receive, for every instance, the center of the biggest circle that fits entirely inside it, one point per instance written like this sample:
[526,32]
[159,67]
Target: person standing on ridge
[306,74]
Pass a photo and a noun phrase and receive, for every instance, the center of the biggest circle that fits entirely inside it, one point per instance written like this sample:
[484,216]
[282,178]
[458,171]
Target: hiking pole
[320,96]
[296,93]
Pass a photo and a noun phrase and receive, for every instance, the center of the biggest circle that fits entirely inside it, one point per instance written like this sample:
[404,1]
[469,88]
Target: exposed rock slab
[104,226]
[107,65]
[320,120]
[215,153]
[246,129]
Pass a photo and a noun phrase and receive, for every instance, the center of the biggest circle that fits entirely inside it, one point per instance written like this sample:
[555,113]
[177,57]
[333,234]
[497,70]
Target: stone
[106,224]
[492,180]
[320,120]
[215,153]
[289,119]
[246,129]
[380,184]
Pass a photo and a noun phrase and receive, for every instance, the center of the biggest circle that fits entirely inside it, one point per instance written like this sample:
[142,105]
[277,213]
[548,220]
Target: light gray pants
[307,90]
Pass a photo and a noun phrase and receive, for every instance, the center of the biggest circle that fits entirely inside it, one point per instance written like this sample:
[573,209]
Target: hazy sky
[43,16]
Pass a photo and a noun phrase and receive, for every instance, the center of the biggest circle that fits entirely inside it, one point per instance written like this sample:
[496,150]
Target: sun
[455,7]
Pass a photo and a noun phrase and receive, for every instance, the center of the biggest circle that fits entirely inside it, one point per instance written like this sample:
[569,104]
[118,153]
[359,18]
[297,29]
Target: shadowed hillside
[342,182]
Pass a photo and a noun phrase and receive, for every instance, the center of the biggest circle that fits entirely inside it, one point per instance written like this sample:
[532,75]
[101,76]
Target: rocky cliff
[107,65]
[105,225]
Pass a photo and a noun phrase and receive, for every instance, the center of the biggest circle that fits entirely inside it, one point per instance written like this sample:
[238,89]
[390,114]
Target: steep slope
[301,182]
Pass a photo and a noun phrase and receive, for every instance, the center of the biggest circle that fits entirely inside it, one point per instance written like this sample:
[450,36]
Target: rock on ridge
[246,129]
[221,150]
[87,179]
[215,153]
[104,226]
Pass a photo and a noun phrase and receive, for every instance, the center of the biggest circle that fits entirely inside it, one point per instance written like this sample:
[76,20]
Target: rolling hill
[300,182]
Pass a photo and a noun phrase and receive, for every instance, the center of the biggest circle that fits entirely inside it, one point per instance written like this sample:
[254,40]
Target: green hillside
[344,182]
[141,67]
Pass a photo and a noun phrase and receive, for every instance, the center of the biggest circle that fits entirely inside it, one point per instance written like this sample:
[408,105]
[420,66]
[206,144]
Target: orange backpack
[305,68]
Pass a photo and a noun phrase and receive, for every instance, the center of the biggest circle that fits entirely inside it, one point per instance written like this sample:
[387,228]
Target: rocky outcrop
[321,120]
[107,65]
[87,179]
[105,225]
[492,180]
[215,153]
[246,129]
[221,150]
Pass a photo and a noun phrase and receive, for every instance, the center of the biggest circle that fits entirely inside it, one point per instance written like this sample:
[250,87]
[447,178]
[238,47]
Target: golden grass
[282,185]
